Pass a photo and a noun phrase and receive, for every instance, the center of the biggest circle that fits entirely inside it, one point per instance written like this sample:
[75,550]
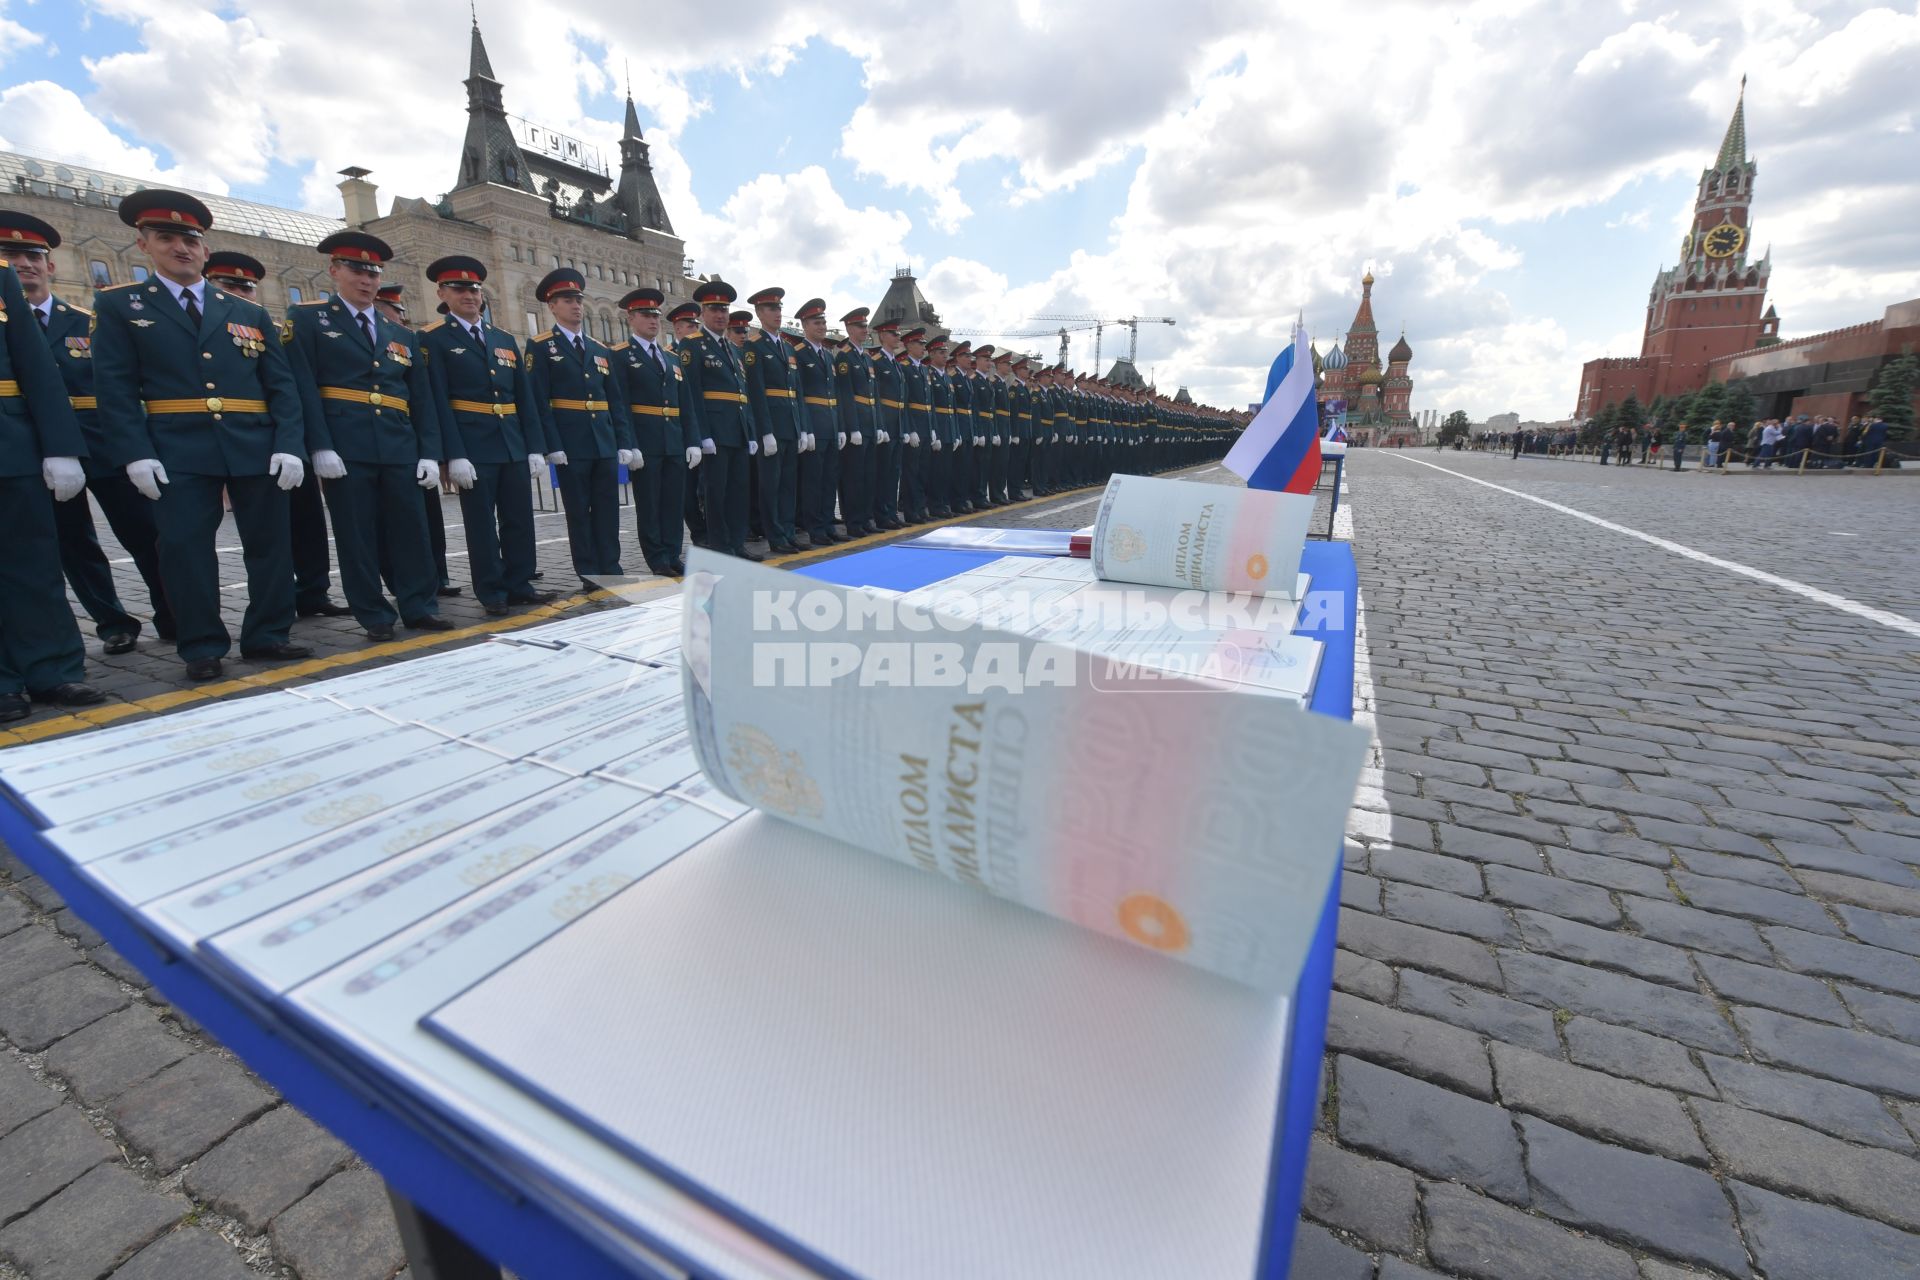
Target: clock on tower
[1725,240]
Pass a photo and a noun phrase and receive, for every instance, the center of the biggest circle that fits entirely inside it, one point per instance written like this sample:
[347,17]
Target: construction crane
[1074,324]
[1063,332]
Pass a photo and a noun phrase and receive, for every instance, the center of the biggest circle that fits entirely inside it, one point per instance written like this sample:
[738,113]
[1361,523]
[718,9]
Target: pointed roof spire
[478,64]
[1733,149]
[632,127]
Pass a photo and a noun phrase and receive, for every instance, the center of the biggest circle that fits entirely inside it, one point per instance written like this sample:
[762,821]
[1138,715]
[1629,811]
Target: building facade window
[139,275]
[533,324]
[99,273]
[294,296]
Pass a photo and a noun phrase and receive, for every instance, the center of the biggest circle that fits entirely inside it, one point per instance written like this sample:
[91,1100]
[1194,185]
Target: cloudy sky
[1513,171]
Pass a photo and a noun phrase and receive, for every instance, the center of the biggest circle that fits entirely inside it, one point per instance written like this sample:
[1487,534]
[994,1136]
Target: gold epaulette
[435,325]
[541,337]
[116,288]
[620,346]
[77,309]
[317,302]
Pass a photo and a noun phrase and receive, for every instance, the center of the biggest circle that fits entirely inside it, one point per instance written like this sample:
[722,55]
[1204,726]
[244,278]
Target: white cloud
[47,119]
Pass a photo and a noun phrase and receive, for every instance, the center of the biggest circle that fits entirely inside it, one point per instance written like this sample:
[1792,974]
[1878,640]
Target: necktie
[658,358]
[192,306]
[44,318]
[366,326]
[580,348]
[478,339]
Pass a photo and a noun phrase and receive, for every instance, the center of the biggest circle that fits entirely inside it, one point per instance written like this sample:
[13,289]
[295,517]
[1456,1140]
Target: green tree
[1599,425]
[1738,407]
[1708,405]
[1455,427]
[1892,394]
[1629,412]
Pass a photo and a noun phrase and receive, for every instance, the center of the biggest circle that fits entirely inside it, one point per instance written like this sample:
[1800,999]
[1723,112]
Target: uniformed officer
[942,498]
[988,398]
[824,436]
[374,435]
[773,374]
[240,274]
[717,381]
[1020,436]
[890,403]
[655,389]
[195,399]
[916,381]
[388,301]
[960,447]
[685,320]
[859,418]
[27,244]
[584,421]
[489,428]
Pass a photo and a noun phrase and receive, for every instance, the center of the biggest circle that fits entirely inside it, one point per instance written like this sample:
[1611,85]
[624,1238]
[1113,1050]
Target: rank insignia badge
[506,357]
[78,347]
[249,339]
[399,353]
[600,363]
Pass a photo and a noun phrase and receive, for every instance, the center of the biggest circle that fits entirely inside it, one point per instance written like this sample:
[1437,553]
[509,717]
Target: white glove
[996,440]
[856,439]
[289,468]
[558,458]
[624,457]
[147,476]
[65,476]
[461,472]
[753,446]
[707,446]
[1056,439]
[913,439]
[841,439]
[639,462]
[328,465]
[768,445]
[881,437]
[536,464]
[693,456]
[936,444]
[427,474]
[807,443]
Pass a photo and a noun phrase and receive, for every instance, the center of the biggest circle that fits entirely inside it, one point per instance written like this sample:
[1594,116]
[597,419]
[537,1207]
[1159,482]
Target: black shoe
[379,631]
[496,609]
[325,609]
[532,597]
[432,622]
[679,570]
[70,693]
[281,652]
[445,592]
[121,643]
[204,669]
[784,549]
[890,524]
[14,706]
[799,545]
[744,554]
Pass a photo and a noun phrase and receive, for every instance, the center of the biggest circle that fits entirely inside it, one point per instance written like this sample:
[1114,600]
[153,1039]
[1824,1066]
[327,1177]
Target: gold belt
[947,412]
[895,404]
[212,404]
[494,407]
[1003,413]
[584,406]
[83,402]
[374,398]
[731,397]
[8,387]
[863,400]
[915,404]
[825,402]
[785,393]
[655,410]
[1026,417]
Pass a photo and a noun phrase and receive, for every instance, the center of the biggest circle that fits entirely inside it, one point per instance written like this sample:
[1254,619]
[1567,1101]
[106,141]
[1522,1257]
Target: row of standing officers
[176,396]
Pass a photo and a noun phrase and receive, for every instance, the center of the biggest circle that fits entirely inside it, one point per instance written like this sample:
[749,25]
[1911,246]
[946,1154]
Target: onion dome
[1370,377]
[1401,351]
[1336,359]
[1318,364]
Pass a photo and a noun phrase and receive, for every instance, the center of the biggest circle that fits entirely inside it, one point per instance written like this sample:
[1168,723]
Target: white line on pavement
[1895,621]
[1054,511]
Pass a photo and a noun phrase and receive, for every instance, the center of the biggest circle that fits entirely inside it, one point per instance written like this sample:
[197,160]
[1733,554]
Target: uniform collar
[198,289]
[571,336]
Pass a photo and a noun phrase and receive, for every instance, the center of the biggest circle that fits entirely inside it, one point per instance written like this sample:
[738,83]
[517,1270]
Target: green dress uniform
[69,333]
[40,645]
[853,389]
[654,387]
[583,414]
[917,432]
[213,400]
[819,466]
[890,396]
[773,379]
[363,385]
[960,455]
[716,381]
[939,458]
[483,400]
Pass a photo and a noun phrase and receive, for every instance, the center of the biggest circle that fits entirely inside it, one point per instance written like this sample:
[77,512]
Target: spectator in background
[1826,443]
[1606,446]
[1770,437]
[1753,440]
[1679,445]
[1873,439]
[1653,444]
[1799,440]
[1716,440]
[1850,447]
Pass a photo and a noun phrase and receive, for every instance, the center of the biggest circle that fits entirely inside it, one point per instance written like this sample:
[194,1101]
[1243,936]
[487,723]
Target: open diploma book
[989,981]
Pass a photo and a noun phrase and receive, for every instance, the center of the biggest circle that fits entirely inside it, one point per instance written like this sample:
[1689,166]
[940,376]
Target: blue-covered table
[477,1205]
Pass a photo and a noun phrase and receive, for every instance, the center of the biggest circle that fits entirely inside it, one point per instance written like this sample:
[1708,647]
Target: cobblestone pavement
[1629,978]
[130,1143]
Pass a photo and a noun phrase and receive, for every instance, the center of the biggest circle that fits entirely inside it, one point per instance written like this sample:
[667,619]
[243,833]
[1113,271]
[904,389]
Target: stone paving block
[1479,1011]
[186,1254]
[1751,902]
[343,1231]
[13,914]
[265,1167]
[1881,928]
[1614,844]
[1571,940]
[27,954]
[1645,1006]
[1360,976]
[1654,1269]
[1362,893]
[1827,1105]
[121,1049]
[1448,912]
[1758,984]
[1883,844]
[1875,894]
[60,1003]
[1687,835]
[187,1108]
[1319,1253]
[1669,922]
[45,1154]
[1771,826]
[1846,862]
[1727,866]
[1374,1200]
[41,894]
[1483,846]
[22,1096]
[1413,1045]
[1610,873]
[1575,771]
[1569,899]
[1888,1015]
[1625,800]
[1874,967]
[1521,827]
[1595,1104]
[74,927]
[1435,871]
[91,1227]
[1474,1236]
[1429,1129]
[1645,1201]
[1788,1157]
[118,966]
[1794,1240]
[1401,944]
[1837,1053]
[1392,1268]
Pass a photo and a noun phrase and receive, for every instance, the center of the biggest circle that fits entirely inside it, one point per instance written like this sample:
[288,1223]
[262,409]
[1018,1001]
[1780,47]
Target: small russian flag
[1280,449]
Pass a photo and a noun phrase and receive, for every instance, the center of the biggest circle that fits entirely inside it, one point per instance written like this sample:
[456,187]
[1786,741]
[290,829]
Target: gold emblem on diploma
[1127,543]
[772,778]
